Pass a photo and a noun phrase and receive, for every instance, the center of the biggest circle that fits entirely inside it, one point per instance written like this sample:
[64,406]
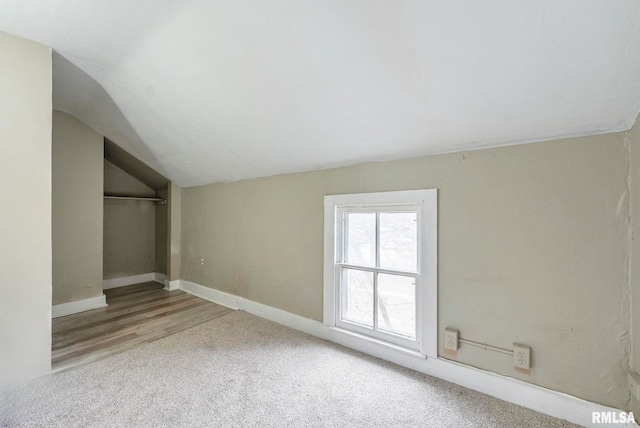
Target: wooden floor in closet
[135,314]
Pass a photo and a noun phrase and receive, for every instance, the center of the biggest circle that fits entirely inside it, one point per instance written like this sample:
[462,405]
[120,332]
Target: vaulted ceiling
[208,91]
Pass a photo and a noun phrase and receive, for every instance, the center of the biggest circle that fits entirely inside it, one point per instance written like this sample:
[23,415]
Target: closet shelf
[136,198]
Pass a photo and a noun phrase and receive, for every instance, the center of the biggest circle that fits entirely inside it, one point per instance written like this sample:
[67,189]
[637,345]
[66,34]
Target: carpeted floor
[240,370]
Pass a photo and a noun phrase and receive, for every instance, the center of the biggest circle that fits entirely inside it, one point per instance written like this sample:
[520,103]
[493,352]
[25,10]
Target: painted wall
[633,137]
[129,226]
[25,217]
[174,242]
[532,249]
[118,182]
[77,210]
[161,233]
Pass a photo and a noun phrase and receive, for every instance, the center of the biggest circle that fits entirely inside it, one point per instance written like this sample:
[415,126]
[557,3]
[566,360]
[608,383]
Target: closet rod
[134,198]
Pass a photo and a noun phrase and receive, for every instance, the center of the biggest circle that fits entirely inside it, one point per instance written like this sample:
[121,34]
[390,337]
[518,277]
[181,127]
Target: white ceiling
[208,91]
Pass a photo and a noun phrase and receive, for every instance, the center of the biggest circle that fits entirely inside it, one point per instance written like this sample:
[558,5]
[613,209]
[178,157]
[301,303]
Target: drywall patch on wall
[77,210]
[532,250]
[634,261]
[25,217]
[626,339]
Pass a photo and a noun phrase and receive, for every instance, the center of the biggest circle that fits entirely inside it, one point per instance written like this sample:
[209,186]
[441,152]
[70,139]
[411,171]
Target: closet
[135,220]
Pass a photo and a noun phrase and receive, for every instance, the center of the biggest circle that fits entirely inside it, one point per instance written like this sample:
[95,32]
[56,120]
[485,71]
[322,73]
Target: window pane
[397,304]
[360,239]
[357,296]
[399,240]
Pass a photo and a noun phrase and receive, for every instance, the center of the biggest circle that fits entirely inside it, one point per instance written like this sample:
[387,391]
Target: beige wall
[118,182]
[174,241]
[161,233]
[129,238]
[77,210]
[25,216]
[532,249]
[129,227]
[634,145]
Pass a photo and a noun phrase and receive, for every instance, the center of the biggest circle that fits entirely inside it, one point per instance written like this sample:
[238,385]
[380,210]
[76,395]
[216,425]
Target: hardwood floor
[136,314]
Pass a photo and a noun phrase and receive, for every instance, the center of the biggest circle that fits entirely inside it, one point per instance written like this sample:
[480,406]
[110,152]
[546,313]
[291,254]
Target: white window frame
[425,201]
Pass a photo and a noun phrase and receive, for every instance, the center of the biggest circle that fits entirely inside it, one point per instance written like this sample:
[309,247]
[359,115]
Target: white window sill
[381,344]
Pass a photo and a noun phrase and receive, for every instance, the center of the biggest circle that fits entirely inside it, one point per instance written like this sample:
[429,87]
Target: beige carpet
[240,370]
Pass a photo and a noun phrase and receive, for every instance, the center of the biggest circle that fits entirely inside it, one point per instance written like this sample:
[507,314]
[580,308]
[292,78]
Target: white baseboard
[172,285]
[78,306]
[215,296]
[128,280]
[543,400]
[159,277]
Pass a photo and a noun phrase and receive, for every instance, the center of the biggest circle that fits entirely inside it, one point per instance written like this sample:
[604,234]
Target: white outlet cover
[451,339]
[521,356]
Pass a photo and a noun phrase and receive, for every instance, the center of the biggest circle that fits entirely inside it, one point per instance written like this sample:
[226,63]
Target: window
[380,266]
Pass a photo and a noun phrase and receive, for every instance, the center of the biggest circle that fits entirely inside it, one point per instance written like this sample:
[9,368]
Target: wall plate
[451,337]
[521,357]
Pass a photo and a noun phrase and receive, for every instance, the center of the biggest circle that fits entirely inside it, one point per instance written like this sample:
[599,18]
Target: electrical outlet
[521,357]
[451,339]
